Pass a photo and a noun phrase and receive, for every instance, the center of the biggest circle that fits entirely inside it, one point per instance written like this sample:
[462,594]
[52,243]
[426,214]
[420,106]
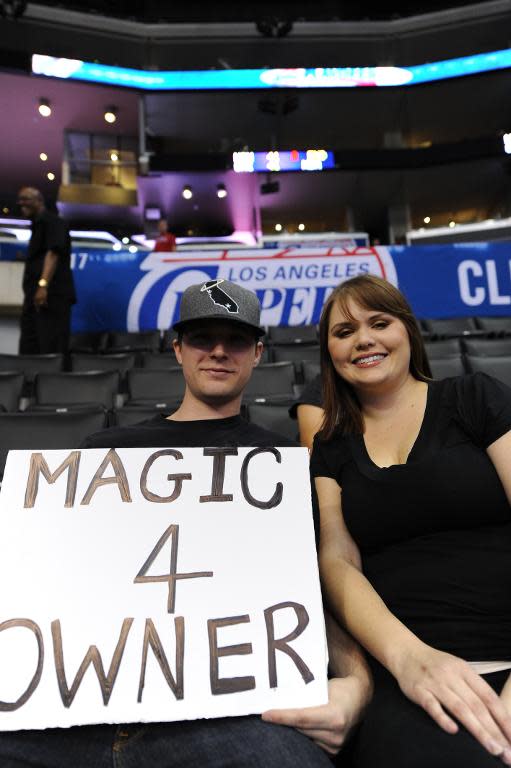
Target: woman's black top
[435,533]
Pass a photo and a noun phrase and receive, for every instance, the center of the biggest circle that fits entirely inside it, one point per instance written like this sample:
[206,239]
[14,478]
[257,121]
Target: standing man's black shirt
[49,233]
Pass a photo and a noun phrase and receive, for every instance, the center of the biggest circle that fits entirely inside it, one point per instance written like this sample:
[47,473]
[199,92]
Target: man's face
[30,202]
[217,359]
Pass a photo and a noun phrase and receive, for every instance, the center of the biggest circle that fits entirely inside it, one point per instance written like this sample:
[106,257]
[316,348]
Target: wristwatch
[42,283]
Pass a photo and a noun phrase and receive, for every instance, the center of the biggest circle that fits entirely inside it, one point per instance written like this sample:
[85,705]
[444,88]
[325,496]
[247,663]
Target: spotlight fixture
[301,227]
[114,157]
[51,176]
[110,114]
[44,107]
[43,156]
[221,190]
[187,192]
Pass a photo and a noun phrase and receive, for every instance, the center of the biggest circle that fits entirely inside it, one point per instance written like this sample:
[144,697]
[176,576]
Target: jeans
[233,742]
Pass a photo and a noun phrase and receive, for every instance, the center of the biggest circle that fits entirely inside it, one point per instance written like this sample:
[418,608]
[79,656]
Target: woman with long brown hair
[413,478]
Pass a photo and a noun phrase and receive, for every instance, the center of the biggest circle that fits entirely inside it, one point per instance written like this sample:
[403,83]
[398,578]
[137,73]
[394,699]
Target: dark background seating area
[51,401]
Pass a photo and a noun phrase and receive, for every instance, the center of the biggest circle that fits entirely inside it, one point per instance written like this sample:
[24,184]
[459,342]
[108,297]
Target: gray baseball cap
[220,300]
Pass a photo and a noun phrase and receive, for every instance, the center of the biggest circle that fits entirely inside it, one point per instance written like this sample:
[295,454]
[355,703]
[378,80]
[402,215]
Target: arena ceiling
[152,11]
[447,114]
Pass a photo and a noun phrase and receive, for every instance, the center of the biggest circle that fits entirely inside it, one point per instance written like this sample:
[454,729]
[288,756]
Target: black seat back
[11,387]
[499,367]
[45,430]
[66,389]
[273,416]
[155,386]
[293,334]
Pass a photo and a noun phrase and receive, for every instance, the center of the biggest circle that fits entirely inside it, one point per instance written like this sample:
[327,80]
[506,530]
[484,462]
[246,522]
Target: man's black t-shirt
[435,533]
[161,432]
[49,233]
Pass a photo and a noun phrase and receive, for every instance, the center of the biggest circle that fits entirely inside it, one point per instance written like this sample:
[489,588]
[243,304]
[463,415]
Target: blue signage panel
[137,291]
[300,77]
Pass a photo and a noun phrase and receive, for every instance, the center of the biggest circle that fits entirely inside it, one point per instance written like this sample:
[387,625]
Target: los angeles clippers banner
[159,585]
[143,290]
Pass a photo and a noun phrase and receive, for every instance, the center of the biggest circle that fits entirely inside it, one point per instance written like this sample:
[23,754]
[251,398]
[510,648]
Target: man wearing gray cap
[218,346]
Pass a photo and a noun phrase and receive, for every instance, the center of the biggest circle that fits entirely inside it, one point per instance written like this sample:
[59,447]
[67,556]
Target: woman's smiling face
[369,349]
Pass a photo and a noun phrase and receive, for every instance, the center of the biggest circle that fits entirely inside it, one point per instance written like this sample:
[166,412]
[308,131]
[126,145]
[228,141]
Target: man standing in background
[165,240]
[48,284]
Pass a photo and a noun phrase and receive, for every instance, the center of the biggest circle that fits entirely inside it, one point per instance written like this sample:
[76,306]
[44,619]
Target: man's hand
[330,724]
[41,298]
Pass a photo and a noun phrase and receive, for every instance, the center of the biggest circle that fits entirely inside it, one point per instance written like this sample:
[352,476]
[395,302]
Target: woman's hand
[505,695]
[446,687]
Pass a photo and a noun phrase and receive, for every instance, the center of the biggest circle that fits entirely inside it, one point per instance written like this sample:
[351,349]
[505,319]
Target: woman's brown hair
[340,403]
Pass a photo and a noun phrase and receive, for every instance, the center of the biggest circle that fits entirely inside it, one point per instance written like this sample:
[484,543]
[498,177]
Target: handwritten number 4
[172,576]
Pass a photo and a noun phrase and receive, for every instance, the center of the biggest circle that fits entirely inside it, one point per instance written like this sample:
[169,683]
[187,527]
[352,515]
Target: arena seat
[131,340]
[271,382]
[273,416]
[495,326]
[499,367]
[443,349]
[30,365]
[444,367]
[155,387]
[293,334]
[296,353]
[487,347]
[310,371]
[448,327]
[121,362]
[158,361]
[76,390]
[11,387]
[45,430]
[91,342]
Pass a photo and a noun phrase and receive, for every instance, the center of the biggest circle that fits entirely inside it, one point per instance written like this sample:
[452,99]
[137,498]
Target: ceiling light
[187,192]
[427,219]
[116,247]
[133,249]
[452,224]
[125,240]
[44,107]
[221,190]
[110,114]
[114,157]
[43,156]
[278,227]
[301,227]
[5,210]
[51,176]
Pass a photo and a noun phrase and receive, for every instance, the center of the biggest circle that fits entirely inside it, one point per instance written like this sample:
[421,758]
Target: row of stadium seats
[36,430]
[112,380]
[156,341]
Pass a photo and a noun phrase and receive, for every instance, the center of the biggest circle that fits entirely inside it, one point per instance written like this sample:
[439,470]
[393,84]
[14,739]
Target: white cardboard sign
[157,585]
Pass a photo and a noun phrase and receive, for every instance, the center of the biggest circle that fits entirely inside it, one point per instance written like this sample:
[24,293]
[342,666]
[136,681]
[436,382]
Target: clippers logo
[219,296]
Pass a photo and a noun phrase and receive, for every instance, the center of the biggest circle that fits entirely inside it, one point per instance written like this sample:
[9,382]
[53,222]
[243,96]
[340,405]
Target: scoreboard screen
[292,160]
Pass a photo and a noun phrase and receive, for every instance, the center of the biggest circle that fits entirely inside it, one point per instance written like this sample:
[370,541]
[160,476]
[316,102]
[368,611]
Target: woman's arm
[309,421]
[500,455]
[437,681]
